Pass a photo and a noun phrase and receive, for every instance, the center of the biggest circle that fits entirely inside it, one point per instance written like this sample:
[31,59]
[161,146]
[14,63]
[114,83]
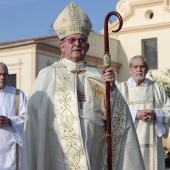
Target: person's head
[73,28]
[3,75]
[138,68]
[74,47]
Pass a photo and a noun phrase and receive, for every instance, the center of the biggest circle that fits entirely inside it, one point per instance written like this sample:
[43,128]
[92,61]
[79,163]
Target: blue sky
[21,19]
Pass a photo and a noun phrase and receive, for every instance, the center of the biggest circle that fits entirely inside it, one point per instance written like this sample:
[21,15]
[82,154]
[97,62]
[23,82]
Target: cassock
[62,133]
[11,136]
[150,95]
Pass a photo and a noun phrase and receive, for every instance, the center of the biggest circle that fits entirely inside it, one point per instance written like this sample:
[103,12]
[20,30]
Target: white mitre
[72,20]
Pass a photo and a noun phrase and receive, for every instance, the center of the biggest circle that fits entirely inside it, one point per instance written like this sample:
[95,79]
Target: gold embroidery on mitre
[99,92]
[67,120]
[85,20]
[74,15]
[63,20]
[76,21]
[117,127]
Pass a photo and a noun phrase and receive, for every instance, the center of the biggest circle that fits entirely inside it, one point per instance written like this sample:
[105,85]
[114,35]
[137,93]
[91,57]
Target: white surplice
[62,133]
[10,135]
[150,95]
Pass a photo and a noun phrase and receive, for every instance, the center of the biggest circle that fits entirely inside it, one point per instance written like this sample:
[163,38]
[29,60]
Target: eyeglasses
[3,74]
[72,40]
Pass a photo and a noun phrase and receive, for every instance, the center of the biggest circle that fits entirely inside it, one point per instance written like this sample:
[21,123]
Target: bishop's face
[138,70]
[3,77]
[74,47]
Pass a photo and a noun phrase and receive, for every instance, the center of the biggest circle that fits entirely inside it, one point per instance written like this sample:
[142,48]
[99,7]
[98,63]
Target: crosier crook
[107,64]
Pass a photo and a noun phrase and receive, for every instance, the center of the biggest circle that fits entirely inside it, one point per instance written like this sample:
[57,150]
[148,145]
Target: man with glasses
[65,128]
[12,113]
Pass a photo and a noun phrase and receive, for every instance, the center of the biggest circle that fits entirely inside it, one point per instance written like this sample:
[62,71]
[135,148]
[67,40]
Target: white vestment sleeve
[133,114]
[112,93]
[18,121]
[160,127]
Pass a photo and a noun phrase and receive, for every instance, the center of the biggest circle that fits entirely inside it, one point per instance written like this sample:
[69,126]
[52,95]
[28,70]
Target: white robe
[62,133]
[11,135]
[150,95]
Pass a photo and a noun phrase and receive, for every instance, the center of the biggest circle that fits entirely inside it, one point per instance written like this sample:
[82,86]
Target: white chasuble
[63,133]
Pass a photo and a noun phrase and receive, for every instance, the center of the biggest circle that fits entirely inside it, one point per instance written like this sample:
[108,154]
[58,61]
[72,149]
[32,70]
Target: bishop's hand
[109,76]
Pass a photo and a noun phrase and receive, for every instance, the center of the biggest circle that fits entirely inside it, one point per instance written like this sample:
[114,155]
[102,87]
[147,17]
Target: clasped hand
[146,114]
[4,121]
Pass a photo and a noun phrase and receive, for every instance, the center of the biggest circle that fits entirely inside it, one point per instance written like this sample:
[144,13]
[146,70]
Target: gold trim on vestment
[117,128]
[99,92]
[78,71]
[68,122]
[140,102]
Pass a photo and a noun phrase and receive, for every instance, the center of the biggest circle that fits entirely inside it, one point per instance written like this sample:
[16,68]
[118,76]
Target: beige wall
[97,49]
[21,61]
[131,45]
[27,58]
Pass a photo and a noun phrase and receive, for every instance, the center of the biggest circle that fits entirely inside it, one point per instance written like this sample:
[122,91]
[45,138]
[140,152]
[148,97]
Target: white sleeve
[112,93]
[159,123]
[18,121]
[133,114]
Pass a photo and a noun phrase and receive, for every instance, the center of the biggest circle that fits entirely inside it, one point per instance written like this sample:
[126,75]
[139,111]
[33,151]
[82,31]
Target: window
[149,48]
[12,80]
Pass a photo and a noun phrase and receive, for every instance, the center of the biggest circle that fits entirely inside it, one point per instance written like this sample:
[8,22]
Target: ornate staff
[107,64]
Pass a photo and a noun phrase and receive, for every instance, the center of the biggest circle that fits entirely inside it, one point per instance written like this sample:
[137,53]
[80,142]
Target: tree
[164,80]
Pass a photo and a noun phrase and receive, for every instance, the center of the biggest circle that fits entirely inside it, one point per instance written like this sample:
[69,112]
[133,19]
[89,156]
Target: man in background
[12,113]
[150,110]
